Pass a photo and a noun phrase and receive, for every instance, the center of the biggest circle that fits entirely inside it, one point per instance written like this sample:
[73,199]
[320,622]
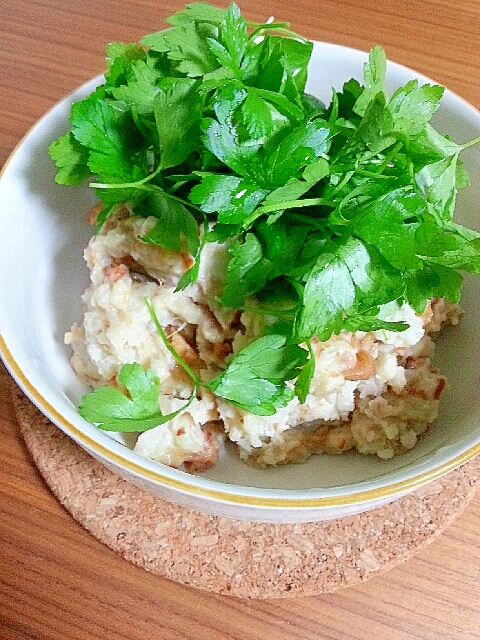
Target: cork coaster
[231,557]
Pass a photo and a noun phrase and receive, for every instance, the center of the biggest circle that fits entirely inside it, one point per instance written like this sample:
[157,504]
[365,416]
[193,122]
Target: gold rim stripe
[224,496]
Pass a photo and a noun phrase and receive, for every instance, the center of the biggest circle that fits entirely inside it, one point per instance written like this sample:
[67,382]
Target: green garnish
[137,410]
[254,380]
[344,208]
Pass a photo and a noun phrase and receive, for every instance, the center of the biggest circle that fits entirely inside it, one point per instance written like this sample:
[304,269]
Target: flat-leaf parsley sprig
[136,409]
[335,209]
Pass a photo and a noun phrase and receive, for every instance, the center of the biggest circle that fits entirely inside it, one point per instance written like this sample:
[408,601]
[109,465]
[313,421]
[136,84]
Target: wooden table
[59,583]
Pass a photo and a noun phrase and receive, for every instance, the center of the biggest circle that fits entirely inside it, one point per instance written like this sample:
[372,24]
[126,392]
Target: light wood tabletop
[57,582]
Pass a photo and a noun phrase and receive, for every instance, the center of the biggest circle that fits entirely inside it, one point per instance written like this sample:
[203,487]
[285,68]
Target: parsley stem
[286,315]
[103,216]
[144,187]
[287,204]
[293,204]
[126,185]
[388,158]
[260,26]
[170,196]
[196,380]
[372,174]
[352,194]
[471,143]
[174,414]
[317,223]
[343,181]
[281,27]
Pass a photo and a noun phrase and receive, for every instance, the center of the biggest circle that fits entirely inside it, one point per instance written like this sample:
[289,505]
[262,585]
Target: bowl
[44,231]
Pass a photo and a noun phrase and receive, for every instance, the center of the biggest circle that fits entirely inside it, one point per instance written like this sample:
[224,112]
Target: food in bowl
[265,268]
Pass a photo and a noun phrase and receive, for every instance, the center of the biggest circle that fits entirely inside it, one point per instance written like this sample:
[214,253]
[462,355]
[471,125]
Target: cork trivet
[226,556]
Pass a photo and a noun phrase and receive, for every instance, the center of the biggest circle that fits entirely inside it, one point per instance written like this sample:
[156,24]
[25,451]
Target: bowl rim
[118,455]
[253,495]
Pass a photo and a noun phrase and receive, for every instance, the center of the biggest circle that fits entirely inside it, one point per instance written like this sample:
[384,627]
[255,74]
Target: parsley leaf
[329,294]
[106,131]
[247,271]
[198,12]
[303,145]
[71,158]
[141,87]
[231,45]
[178,110]
[255,378]
[258,115]
[374,72]
[304,378]
[112,410]
[428,146]
[185,45]
[120,59]
[438,183]
[346,272]
[232,198]
[432,281]
[174,223]
[412,106]
[389,224]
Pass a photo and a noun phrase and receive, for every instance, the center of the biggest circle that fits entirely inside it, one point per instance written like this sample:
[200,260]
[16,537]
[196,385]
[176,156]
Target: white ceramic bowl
[43,274]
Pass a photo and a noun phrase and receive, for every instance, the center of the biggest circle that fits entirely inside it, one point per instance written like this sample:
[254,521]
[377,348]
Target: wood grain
[59,583]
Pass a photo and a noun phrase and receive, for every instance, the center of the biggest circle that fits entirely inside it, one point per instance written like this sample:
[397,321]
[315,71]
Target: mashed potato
[374,392]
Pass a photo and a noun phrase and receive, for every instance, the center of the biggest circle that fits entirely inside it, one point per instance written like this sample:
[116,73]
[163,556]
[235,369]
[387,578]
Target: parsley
[255,378]
[135,410]
[254,381]
[329,211]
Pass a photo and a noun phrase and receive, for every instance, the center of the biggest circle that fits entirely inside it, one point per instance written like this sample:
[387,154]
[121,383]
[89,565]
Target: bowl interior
[44,225]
